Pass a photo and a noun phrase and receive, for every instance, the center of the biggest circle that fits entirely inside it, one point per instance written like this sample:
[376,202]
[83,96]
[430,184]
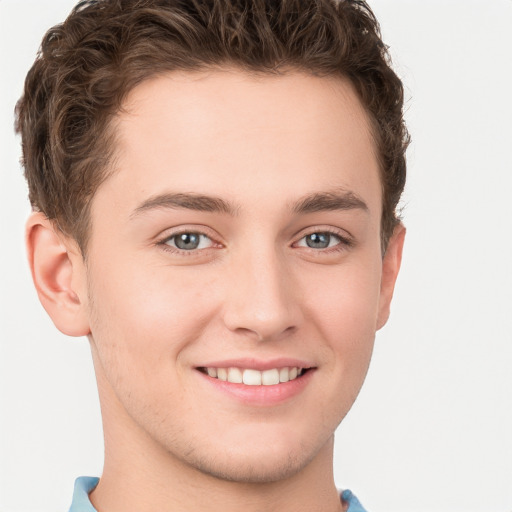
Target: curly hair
[88,64]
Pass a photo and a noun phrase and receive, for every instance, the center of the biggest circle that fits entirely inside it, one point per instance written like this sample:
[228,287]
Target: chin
[256,462]
[252,470]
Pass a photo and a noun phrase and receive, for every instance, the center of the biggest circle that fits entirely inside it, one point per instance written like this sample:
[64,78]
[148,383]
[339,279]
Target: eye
[189,241]
[320,240]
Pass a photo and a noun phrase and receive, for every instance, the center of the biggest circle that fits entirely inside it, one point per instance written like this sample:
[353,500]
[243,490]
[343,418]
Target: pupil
[318,240]
[187,241]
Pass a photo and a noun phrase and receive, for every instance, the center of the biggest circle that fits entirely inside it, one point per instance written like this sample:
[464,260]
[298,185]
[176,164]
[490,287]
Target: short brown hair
[88,64]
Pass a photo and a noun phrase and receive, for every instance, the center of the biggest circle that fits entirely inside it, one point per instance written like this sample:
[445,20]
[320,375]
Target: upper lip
[258,364]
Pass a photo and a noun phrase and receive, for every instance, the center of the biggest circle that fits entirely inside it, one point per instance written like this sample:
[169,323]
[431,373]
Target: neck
[148,483]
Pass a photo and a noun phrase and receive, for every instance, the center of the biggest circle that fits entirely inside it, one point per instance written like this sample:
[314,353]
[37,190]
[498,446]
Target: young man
[214,188]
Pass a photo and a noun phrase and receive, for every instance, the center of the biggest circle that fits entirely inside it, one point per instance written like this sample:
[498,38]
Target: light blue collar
[83,486]
[354,505]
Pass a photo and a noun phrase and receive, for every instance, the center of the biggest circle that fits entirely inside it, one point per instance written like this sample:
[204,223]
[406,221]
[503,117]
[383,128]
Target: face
[234,272]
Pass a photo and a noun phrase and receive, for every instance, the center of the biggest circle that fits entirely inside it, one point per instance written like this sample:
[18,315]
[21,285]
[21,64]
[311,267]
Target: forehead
[218,131]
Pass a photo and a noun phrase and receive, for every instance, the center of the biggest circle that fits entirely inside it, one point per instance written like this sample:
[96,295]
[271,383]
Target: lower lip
[264,396]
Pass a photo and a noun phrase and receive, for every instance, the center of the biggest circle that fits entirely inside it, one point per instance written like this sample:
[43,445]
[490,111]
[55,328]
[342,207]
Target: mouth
[253,377]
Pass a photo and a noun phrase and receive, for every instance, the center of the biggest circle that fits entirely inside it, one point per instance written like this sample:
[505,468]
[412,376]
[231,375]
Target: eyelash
[164,243]
[345,242]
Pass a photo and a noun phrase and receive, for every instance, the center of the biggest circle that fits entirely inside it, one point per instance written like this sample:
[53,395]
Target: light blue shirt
[85,484]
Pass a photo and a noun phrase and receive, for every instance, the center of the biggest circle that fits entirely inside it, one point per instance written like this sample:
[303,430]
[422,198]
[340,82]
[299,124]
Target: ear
[390,267]
[58,273]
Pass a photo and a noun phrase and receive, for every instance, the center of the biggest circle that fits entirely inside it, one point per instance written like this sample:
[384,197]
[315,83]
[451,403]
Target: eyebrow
[187,201]
[329,201]
[311,203]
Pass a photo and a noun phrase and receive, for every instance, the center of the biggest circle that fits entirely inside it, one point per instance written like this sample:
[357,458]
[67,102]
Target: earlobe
[54,275]
[390,268]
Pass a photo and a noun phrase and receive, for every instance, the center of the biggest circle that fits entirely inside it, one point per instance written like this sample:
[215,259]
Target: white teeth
[235,375]
[270,377]
[284,374]
[251,377]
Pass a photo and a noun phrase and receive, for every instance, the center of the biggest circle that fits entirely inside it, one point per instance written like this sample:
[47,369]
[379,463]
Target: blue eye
[320,240]
[189,241]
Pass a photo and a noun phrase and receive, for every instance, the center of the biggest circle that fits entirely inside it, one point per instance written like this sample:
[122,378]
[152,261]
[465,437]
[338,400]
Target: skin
[253,288]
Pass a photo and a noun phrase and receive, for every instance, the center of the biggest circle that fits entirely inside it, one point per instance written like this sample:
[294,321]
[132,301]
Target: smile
[251,377]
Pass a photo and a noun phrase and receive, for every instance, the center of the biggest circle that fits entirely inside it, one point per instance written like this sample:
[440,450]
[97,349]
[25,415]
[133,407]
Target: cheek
[345,299]
[344,307]
[143,316]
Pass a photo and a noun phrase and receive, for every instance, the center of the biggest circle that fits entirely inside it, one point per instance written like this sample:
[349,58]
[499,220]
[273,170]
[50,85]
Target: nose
[262,301]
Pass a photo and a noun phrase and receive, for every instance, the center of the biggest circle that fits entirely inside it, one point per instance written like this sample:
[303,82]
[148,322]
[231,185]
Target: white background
[432,429]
